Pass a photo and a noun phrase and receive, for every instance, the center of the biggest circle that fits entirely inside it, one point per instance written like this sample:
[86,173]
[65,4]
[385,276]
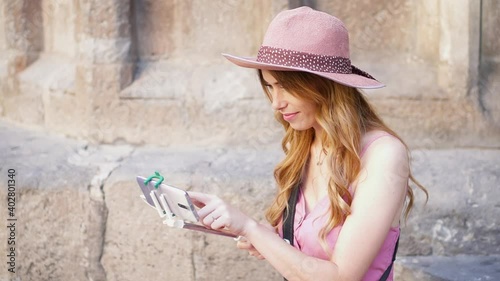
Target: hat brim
[351,80]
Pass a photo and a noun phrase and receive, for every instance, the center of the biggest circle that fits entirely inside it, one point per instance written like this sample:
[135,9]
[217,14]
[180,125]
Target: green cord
[155,176]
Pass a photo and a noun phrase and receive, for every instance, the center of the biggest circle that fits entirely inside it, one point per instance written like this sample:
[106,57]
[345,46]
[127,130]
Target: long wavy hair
[344,115]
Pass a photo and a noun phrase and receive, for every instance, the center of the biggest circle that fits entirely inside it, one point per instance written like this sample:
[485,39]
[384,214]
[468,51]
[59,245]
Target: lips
[289,116]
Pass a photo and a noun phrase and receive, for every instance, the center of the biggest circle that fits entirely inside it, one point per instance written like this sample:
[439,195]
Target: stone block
[458,50]
[159,80]
[104,82]
[461,184]
[137,245]
[490,41]
[489,86]
[52,207]
[58,27]
[437,123]
[47,76]
[422,88]
[459,268]
[222,103]
[22,26]
[194,32]
[65,114]
[427,36]
[3,44]
[384,27]
[104,51]
[489,83]
[26,109]
[103,19]
[406,273]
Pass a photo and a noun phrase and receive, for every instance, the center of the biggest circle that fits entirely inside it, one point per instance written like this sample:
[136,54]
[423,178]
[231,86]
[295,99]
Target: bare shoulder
[381,147]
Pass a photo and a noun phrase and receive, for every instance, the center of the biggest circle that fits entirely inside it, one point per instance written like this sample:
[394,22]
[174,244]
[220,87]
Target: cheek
[311,110]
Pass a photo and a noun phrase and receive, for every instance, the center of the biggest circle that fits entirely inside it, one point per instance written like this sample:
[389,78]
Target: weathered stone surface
[458,66]
[58,27]
[489,84]
[103,19]
[30,113]
[406,273]
[437,123]
[110,234]
[104,51]
[137,245]
[60,216]
[384,27]
[3,44]
[48,76]
[461,184]
[459,268]
[147,50]
[208,101]
[197,32]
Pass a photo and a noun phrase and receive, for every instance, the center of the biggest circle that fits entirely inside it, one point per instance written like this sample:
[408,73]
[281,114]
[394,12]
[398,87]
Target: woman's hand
[217,214]
[244,244]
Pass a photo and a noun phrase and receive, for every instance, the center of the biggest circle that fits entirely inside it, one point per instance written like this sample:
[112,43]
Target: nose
[278,102]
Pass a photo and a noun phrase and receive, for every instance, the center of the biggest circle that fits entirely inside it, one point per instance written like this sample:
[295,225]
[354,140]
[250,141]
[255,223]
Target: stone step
[81,203]
[441,268]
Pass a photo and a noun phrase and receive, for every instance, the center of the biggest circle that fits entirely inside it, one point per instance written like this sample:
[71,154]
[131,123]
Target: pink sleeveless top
[308,226]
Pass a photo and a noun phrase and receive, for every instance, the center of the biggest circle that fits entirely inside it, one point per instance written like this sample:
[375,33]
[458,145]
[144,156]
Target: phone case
[176,205]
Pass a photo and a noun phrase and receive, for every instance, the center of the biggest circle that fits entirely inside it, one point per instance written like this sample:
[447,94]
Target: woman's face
[296,111]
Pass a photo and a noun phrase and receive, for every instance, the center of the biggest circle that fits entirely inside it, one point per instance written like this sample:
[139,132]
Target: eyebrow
[267,83]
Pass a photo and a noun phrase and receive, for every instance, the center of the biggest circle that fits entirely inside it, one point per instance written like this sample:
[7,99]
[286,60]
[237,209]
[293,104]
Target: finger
[254,253]
[244,245]
[219,223]
[199,197]
[194,196]
[208,213]
[210,207]
[197,203]
[206,216]
[209,219]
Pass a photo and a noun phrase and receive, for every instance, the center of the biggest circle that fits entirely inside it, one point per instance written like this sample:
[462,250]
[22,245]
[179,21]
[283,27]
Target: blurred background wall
[100,87]
[91,70]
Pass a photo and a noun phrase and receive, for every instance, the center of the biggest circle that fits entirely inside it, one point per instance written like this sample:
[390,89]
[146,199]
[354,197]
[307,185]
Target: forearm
[290,262]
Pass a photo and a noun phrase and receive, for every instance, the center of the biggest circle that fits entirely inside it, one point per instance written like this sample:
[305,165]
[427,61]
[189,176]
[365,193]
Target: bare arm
[379,195]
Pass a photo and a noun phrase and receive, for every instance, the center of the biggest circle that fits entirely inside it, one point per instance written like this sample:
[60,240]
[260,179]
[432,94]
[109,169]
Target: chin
[300,128]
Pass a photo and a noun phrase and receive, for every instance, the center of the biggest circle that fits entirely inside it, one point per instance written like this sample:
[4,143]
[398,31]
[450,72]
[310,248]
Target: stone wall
[90,69]
[140,85]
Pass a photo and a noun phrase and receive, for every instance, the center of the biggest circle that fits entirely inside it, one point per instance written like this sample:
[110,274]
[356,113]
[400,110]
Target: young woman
[349,171]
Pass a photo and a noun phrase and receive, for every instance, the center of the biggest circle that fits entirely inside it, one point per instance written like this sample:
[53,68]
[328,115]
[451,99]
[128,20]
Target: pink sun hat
[307,40]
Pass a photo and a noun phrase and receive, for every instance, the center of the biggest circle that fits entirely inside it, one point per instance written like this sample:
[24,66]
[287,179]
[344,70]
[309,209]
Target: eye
[270,87]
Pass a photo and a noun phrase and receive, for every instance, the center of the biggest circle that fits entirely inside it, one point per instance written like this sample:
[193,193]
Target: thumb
[198,198]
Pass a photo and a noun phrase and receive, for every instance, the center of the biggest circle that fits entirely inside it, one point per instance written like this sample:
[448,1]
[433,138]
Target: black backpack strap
[290,216]
[388,270]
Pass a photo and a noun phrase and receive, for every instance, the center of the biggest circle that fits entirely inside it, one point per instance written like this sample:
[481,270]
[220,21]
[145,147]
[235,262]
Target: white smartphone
[175,202]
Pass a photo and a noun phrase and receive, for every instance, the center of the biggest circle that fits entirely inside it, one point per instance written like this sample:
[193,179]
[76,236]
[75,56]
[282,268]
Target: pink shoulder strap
[369,143]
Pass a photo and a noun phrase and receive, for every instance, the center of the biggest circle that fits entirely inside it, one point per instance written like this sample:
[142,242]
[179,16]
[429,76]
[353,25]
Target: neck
[317,137]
